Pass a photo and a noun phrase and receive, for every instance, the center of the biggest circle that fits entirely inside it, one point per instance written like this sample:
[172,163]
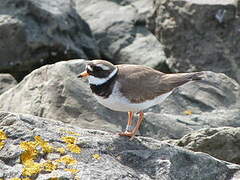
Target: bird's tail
[171,81]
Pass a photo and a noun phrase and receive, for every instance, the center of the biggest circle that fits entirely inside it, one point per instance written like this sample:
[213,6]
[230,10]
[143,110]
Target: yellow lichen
[188,112]
[28,145]
[30,152]
[31,168]
[2,144]
[69,139]
[74,148]
[73,171]
[44,144]
[72,133]
[67,160]
[96,156]
[49,166]
[2,135]
[61,150]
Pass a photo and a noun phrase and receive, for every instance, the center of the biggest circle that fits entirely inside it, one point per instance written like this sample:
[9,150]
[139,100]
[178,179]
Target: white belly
[117,102]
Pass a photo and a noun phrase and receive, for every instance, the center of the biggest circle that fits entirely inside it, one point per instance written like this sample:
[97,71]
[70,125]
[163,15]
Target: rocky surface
[165,126]
[199,35]
[34,33]
[99,155]
[55,92]
[169,35]
[121,33]
[6,82]
[222,143]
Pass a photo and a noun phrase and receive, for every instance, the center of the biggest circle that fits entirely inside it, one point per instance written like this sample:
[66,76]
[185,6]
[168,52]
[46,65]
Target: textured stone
[142,158]
[6,82]
[222,143]
[199,35]
[164,126]
[34,33]
[121,32]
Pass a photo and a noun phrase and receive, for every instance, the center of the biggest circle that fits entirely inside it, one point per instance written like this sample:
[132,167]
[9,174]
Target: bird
[132,88]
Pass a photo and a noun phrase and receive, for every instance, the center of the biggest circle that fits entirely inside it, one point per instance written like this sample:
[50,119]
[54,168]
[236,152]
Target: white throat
[99,81]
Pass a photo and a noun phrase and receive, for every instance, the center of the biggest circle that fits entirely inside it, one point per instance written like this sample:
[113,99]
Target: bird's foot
[126,133]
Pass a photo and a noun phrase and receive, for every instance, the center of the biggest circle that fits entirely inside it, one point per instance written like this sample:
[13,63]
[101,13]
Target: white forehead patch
[104,67]
[89,67]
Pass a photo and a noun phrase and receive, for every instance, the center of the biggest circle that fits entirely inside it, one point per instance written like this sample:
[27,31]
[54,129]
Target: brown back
[140,83]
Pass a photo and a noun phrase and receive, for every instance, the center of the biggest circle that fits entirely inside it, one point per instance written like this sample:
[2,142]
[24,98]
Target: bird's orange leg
[129,124]
[133,133]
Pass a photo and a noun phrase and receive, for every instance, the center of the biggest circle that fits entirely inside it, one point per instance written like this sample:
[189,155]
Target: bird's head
[98,71]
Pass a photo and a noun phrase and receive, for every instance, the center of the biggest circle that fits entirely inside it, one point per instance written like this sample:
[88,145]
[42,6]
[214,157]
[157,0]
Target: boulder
[121,32]
[34,33]
[199,35]
[96,154]
[55,92]
[7,81]
[222,143]
[164,126]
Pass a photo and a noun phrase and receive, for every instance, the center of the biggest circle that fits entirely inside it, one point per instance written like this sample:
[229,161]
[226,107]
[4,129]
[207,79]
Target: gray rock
[165,126]
[222,143]
[55,92]
[121,33]
[60,174]
[199,35]
[34,33]
[7,81]
[142,158]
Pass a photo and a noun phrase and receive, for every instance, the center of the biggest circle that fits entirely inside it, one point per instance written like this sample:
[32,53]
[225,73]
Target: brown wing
[138,83]
[141,83]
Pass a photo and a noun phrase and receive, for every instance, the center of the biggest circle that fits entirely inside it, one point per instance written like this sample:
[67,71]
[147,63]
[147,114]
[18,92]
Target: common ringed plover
[132,88]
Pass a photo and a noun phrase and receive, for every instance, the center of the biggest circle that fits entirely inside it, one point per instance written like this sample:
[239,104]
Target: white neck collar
[98,81]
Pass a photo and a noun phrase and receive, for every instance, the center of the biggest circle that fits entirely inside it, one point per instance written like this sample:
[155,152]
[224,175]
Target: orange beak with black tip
[83,74]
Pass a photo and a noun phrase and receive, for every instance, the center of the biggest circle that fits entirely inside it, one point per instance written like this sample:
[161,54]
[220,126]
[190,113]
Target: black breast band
[104,90]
